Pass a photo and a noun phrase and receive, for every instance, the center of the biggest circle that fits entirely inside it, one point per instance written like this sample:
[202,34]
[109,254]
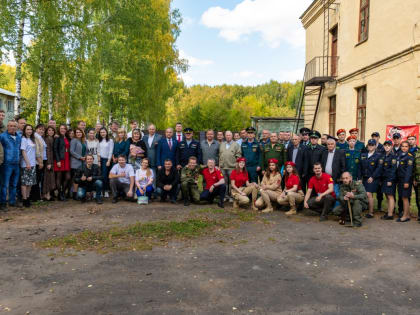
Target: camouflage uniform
[189,180]
[358,203]
[277,152]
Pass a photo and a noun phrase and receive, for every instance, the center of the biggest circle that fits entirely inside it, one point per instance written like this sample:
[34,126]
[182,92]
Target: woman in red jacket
[292,193]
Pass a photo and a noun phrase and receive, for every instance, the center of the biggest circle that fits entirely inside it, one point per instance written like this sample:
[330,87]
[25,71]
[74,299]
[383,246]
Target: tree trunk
[73,87]
[19,58]
[98,117]
[50,99]
[39,94]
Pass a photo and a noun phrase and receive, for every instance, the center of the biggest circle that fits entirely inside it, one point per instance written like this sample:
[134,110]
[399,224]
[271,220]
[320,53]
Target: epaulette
[409,154]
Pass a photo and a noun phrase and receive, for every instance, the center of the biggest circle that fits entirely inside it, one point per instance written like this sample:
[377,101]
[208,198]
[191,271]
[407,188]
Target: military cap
[331,137]
[275,161]
[388,142]
[372,142]
[188,130]
[375,134]
[240,159]
[396,135]
[340,131]
[250,129]
[315,134]
[304,130]
[351,137]
[354,130]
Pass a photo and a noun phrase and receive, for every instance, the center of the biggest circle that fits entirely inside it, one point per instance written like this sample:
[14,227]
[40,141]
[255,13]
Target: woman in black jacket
[138,149]
[62,161]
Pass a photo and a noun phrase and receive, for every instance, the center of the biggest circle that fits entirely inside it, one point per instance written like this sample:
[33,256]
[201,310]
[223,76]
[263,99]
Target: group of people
[340,175]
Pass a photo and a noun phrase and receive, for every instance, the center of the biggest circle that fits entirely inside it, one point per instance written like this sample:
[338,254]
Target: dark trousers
[118,188]
[417,192]
[105,173]
[37,188]
[89,187]
[165,193]
[217,191]
[324,206]
[379,196]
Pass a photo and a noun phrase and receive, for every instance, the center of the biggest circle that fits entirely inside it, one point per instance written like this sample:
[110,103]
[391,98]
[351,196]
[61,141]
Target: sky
[247,42]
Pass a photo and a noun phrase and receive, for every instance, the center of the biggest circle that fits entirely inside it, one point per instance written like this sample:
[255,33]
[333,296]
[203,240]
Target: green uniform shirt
[190,175]
[417,166]
[277,152]
[357,189]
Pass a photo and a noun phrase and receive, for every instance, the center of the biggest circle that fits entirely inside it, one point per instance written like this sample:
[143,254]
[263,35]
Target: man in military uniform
[414,150]
[353,192]
[313,154]
[396,140]
[304,133]
[187,148]
[251,152]
[342,143]
[379,146]
[273,150]
[360,146]
[189,181]
[265,138]
[353,159]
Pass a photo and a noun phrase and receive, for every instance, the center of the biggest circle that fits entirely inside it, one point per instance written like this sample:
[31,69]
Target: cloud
[247,74]
[193,61]
[276,21]
[291,75]
[187,21]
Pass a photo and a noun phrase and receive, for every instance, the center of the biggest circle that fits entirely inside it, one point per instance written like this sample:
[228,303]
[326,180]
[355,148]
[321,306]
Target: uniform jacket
[389,169]
[342,146]
[417,166]
[300,165]
[11,148]
[313,154]
[185,151]
[380,148]
[76,149]
[371,166]
[152,150]
[338,163]
[353,163]
[163,152]
[209,151]
[251,153]
[227,157]
[273,182]
[360,146]
[277,151]
[190,175]
[1,154]
[405,167]
[94,172]
[357,189]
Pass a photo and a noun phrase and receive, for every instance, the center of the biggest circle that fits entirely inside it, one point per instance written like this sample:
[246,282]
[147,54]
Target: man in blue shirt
[9,171]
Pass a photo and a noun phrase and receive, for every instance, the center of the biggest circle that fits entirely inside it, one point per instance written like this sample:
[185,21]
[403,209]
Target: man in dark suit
[333,161]
[295,154]
[152,141]
[166,149]
[178,135]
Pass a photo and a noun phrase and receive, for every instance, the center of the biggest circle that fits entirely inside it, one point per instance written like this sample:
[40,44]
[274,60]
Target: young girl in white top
[28,163]
[144,179]
[105,149]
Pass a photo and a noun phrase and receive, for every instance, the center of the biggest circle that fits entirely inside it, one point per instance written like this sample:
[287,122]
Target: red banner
[404,131]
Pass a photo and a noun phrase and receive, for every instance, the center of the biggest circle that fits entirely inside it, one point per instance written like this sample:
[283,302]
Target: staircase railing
[316,69]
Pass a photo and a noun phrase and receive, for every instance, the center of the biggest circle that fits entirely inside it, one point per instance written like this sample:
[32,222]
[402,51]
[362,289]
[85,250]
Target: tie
[179,138]
[170,144]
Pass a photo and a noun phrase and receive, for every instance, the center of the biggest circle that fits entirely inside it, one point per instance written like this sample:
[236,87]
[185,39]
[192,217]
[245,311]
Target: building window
[332,114]
[364,20]
[10,106]
[361,112]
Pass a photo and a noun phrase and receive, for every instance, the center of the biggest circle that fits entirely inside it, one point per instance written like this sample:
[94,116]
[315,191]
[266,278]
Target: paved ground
[290,266]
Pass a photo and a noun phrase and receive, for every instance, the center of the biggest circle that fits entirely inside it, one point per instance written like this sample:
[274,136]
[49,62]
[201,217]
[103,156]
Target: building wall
[393,89]
[4,100]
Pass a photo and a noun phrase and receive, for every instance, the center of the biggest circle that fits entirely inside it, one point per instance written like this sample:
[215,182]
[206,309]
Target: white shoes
[106,195]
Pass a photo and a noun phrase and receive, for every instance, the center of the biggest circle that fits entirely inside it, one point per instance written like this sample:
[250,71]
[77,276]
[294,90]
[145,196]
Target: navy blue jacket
[185,151]
[163,151]
[300,162]
[405,167]
[371,166]
[389,170]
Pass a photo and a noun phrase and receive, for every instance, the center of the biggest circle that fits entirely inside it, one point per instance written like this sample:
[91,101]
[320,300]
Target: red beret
[340,131]
[412,136]
[351,137]
[273,161]
[241,159]
[290,163]
[354,129]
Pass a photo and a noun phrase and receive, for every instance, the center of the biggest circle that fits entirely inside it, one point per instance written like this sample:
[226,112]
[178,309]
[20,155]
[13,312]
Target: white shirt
[228,144]
[141,177]
[28,146]
[105,149]
[328,165]
[92,148]
[150,140]
[128,170]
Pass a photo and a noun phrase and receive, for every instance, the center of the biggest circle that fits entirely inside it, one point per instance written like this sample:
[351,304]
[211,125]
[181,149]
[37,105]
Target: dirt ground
[282,266]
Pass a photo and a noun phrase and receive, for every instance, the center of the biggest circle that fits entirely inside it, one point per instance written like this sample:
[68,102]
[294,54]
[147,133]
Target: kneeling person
[293,190]
[353,193]
[89,179]
[144,180]
[189,181]
[323,185]
[167,182]
[270,188]
[121,179]
[215,184]
[241,187]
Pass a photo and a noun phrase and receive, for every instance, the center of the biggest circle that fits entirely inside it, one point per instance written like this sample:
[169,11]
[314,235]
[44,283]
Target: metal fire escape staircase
[317,73]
